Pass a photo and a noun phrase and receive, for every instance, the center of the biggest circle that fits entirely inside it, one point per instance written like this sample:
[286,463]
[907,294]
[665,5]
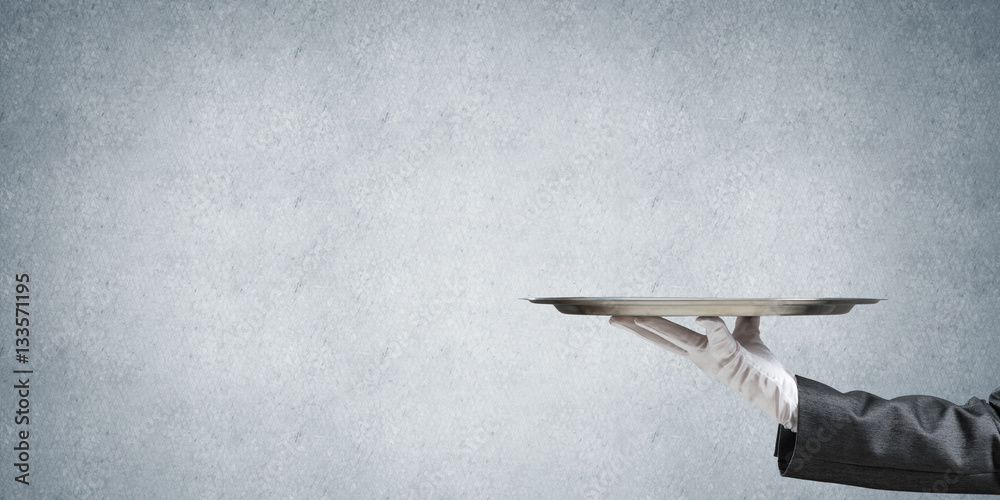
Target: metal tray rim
[700,300]
[690,306]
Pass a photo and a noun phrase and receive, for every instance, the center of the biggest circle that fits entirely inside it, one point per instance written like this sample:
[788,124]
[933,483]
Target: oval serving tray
[650,306]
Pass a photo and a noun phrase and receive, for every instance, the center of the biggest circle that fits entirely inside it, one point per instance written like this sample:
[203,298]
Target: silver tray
[649,306]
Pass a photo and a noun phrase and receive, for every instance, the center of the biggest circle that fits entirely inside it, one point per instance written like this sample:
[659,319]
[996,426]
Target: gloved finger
[720,341]
[628,323]
[677,334]
[747,329]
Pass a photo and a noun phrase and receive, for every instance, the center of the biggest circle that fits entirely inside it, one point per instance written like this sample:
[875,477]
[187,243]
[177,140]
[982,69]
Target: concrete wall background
[277,251]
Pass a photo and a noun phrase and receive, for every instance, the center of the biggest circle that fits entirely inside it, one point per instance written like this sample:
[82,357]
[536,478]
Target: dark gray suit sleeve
[911,443]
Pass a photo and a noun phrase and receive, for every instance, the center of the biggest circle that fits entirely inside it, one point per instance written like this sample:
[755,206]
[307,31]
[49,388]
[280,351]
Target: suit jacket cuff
[912,443]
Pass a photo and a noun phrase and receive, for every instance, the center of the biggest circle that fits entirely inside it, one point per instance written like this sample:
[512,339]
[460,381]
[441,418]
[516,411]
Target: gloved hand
[740,360]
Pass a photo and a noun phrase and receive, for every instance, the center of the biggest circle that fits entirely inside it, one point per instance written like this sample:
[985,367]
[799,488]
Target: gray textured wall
[277,250]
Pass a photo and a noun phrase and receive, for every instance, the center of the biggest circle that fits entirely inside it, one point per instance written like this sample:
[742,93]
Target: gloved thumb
[710,323]
[720,341]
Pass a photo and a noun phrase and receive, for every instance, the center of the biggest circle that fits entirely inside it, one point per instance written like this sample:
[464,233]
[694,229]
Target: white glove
[740,360]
